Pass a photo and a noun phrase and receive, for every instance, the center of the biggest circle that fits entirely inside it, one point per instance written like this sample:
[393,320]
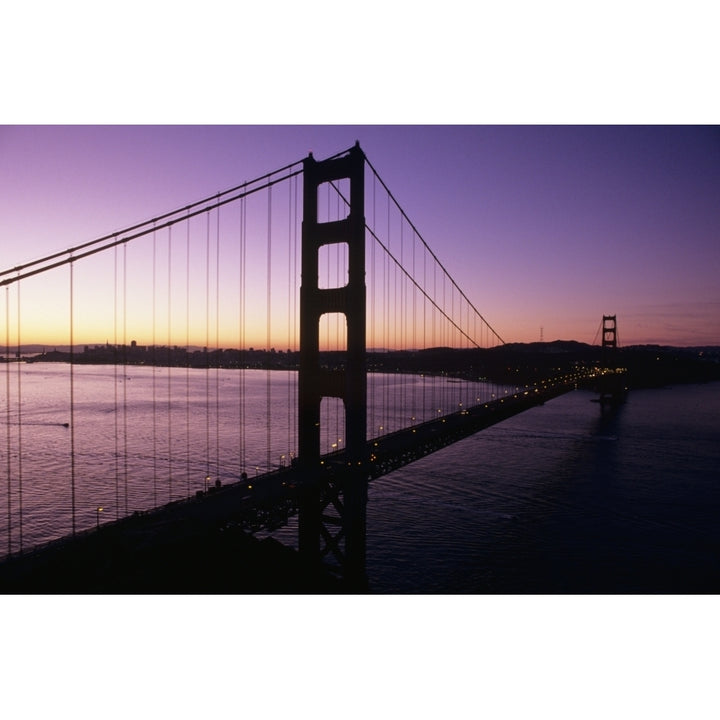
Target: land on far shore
[514,363]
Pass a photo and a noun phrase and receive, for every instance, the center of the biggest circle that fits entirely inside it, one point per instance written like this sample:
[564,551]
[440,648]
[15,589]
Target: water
[559,499]
[132,438]
[74,439]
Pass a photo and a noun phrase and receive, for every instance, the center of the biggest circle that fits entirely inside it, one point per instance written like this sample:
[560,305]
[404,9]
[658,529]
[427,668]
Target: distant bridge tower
[609,331]
[332,513]
[611,385]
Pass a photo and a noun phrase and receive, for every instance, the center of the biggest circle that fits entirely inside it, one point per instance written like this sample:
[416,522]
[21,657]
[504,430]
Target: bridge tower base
[332,510]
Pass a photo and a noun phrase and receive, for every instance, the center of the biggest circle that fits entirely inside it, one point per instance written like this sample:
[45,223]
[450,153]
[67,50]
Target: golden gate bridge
[326,294]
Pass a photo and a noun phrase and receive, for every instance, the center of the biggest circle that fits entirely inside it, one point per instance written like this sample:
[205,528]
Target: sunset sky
[541,226]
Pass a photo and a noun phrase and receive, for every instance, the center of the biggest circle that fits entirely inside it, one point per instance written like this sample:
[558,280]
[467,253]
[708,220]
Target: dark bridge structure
[361,280]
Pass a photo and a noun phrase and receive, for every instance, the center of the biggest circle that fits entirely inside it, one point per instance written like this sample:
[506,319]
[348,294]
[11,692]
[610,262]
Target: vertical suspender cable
[72,400]
[339,256]
[241,368]
[115,384]
[295,294]
[342,323]
[372,326]
[447,340]
[452,404]
[290,255]
[269,337]
[327,402]
[386,326]
[7,408]
[207,351]
[125,384]
[403,306]
[396,323]
[241,434]
[217,347]
[467,346]
[19,413]
[435,342]
[424,342]
[154,366]
[187,353]
[169,365]
[414,329]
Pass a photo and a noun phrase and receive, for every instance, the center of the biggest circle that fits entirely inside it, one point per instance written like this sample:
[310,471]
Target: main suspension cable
[401,268]
[427,247]
[186,209]
[75,255]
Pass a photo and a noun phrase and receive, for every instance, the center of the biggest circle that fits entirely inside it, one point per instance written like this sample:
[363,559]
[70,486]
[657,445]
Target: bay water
[563,498]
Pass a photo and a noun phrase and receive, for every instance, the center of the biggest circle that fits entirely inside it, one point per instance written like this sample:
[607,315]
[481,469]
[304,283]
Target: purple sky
[541,226]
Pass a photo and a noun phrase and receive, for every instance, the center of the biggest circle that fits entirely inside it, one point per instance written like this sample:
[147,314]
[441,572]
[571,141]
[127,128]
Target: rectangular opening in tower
[333,200]
[332,425]
[333,266]
[333,339]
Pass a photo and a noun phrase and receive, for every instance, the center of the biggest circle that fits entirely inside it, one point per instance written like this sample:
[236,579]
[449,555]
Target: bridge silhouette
[385,364]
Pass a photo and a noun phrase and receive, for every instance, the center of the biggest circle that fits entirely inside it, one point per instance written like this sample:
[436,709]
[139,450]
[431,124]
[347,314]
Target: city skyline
[544,228]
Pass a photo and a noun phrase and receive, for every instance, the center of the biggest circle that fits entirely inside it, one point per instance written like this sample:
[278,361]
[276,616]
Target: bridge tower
[609,331]
[332,511]
[611,385]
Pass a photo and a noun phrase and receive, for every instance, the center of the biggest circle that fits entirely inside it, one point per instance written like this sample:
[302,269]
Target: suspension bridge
[248,360]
